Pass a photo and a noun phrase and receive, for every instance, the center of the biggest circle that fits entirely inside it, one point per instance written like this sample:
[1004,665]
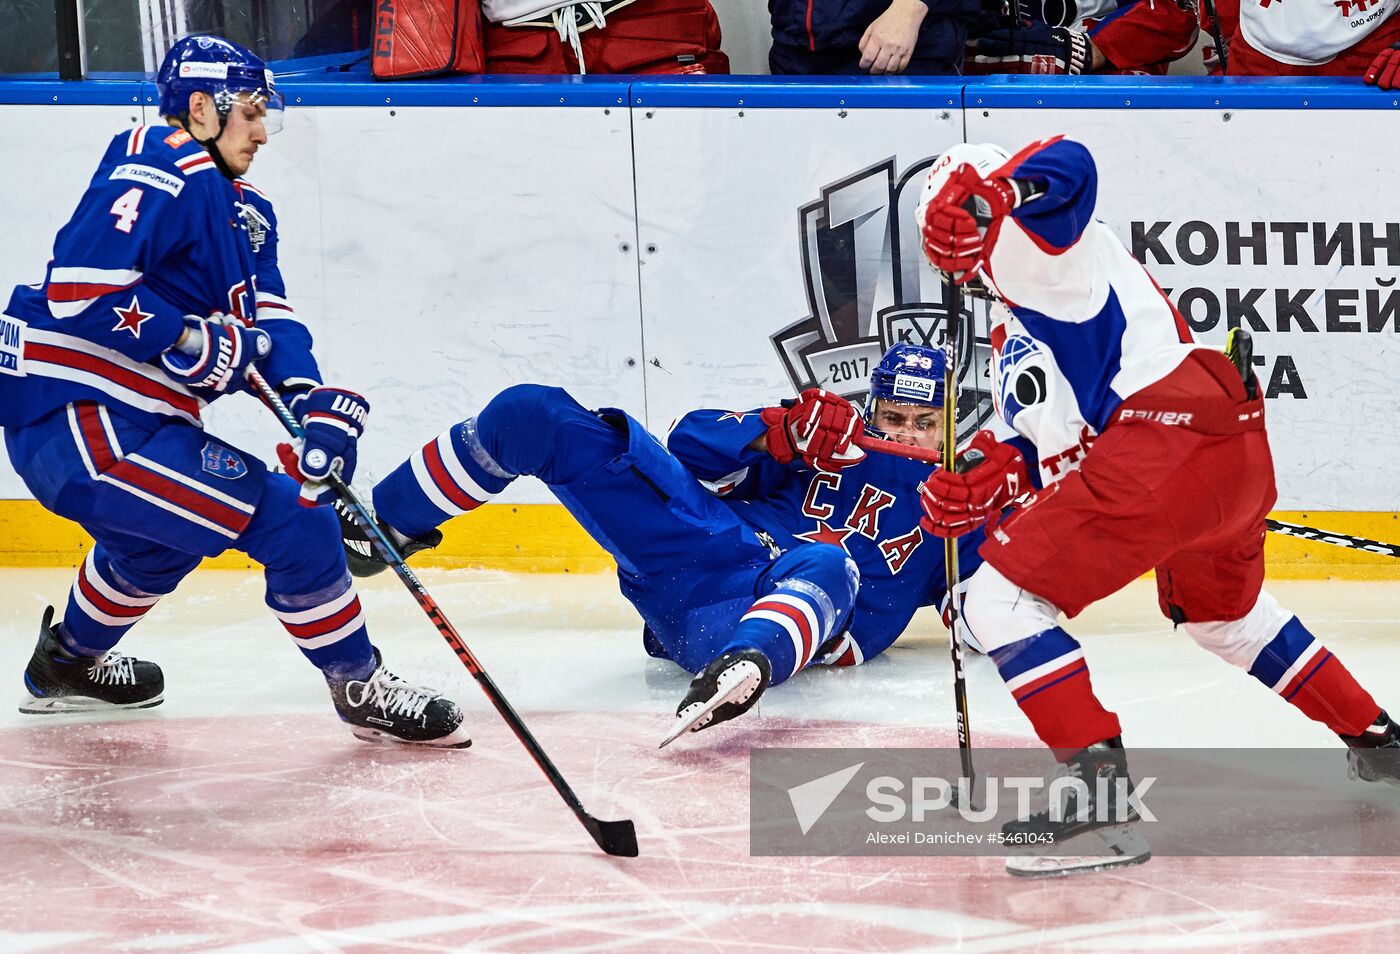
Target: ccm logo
[1161,417]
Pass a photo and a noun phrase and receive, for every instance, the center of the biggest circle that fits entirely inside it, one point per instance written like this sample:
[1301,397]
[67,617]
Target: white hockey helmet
[982,156]
[985,157]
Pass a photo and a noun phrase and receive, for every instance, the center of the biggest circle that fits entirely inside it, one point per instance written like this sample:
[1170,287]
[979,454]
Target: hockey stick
[952,297]
[1217,37]
[1274,526]
[899,450]
[896,449]
[1335,539]
[614,837]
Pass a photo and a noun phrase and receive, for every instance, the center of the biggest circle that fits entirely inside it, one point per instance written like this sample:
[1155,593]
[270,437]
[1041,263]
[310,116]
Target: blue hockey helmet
[907,374]
[227,71]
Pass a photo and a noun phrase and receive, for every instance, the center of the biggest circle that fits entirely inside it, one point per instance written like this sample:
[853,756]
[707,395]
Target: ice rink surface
[242,816]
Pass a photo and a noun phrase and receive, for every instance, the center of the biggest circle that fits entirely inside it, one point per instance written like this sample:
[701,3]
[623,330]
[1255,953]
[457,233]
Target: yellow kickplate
[544,538]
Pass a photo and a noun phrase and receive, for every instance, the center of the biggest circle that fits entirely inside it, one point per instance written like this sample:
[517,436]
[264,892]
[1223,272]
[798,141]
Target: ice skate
[56,682]
[1374,756]
[360,554]
[1091,829]
[1117,846]
[726,688]
[385,708]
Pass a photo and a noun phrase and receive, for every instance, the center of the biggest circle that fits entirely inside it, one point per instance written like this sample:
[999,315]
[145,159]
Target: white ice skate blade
[1117,847]
[54,705]
[735,684]
[457,739]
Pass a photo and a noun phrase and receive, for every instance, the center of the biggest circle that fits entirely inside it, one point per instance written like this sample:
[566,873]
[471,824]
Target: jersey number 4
[125,209]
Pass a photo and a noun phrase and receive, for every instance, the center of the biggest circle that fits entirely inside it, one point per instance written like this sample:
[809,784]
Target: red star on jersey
[131,318]
[825,533]
[736,415]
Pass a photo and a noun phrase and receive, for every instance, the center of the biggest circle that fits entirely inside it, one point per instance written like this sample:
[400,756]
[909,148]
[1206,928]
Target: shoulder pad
[144,155]
[168,146]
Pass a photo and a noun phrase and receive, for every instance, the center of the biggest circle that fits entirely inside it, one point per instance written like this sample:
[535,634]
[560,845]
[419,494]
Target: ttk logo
[868,287]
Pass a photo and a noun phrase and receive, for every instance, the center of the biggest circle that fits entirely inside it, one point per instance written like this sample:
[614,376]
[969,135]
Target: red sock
[1049,679]
[1324,690]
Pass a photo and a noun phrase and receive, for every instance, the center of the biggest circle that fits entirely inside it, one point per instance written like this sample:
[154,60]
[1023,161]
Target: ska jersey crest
[255,223]
[222,462]
[868,287]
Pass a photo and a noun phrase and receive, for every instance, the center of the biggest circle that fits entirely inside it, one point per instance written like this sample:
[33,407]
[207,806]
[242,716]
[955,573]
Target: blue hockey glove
[332,419]
[214,352]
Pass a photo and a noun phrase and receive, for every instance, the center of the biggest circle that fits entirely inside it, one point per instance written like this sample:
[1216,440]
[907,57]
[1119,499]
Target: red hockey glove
[1384,71]
[819,427]
[953,241]
[958,503]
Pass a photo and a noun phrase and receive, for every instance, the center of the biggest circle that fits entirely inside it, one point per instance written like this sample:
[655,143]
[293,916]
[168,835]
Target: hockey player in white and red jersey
[1143,450]
[1316,38]
[163,290]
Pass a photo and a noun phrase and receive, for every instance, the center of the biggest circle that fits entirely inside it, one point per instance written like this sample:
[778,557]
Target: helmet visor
[268,102]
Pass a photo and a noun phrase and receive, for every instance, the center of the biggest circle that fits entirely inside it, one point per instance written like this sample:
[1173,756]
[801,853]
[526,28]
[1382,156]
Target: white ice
[240,815]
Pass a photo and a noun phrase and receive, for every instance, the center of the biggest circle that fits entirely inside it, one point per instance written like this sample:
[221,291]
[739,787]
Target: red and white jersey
[1081,325]
[1310,32]
[1144,37]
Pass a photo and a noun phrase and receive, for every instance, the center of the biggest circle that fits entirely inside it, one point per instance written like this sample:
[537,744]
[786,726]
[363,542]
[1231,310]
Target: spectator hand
[888,43]
[1384,71]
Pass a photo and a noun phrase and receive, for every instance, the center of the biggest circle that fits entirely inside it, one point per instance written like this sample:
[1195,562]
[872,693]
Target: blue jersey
[871,509]
[159,235]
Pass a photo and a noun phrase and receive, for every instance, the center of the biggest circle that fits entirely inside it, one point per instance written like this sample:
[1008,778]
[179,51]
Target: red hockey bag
[414,38]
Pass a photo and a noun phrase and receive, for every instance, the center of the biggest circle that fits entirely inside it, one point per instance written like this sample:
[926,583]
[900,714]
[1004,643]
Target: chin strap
[211,144]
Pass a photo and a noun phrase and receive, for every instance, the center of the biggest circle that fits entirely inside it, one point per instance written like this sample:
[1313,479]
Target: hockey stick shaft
[952,295]
[899,450]
[1217,37]
[1274,526]
[614,837]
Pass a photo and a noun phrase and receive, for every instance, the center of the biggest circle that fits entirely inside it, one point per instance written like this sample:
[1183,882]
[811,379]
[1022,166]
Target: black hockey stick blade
[614,837]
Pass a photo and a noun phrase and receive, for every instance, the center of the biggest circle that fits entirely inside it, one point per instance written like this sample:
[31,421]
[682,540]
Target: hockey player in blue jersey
[753,544]
[162,291]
